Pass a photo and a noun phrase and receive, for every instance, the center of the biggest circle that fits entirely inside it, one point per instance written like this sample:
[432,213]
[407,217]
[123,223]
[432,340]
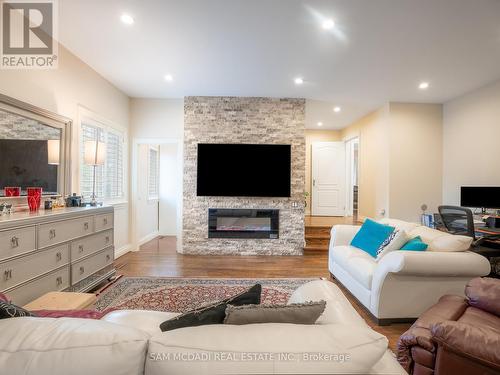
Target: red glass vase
[12,191]
[34,198]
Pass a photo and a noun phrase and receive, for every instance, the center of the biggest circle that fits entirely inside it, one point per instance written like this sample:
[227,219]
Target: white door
[328,179]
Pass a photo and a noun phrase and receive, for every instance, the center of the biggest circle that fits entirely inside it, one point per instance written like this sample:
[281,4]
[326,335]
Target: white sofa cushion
[399,224]
[256,348]
[358,263]
[395,241]
[70,346]
[148,321]
[442,241]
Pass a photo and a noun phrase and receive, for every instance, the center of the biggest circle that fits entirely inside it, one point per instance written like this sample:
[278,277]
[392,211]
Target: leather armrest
[484,293]
[474,343]
[448,308]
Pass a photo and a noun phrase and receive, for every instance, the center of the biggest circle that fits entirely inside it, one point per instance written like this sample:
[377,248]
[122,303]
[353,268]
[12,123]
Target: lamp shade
[94,153]
[53,151]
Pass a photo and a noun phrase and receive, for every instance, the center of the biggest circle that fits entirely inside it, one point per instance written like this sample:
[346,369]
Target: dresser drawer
[53,282]
[61,231]
[16,242]
[22,269]
[89,266]
[103,222]
[91,244]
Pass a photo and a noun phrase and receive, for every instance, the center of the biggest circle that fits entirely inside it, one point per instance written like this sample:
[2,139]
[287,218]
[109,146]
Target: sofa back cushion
[442,241]
[399,224]
[370,236]
[70,346]
[265,349]
[484,293]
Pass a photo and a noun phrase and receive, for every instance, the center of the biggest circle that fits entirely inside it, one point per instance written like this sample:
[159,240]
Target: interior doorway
[156,190]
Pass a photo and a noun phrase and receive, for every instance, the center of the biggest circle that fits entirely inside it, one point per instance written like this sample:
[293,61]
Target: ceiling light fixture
[337,109]
[328,24]
[127,19]
[299,81]
[423,85]
[168,78]
[320,123]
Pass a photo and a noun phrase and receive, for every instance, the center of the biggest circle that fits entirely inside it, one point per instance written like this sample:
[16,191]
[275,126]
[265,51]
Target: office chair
[460,220]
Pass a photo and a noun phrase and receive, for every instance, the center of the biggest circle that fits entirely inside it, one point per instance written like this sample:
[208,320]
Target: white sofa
[403,284]
[130,343]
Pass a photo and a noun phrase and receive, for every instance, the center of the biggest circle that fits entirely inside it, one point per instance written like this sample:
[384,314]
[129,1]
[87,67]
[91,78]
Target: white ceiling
[379,51]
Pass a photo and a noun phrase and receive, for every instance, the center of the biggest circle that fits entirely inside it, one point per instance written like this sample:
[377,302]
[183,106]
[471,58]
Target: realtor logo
[29,39]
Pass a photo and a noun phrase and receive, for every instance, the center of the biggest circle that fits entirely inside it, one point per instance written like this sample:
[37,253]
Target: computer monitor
[480,196]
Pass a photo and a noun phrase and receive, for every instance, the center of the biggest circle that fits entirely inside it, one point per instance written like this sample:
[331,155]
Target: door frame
[349,159]
[134,181]
[313,180]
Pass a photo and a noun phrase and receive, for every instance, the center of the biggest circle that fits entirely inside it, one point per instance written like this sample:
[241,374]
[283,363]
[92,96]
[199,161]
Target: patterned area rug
[180,295]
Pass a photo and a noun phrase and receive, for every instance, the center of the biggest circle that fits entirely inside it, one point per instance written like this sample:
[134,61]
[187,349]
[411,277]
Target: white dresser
[68,249]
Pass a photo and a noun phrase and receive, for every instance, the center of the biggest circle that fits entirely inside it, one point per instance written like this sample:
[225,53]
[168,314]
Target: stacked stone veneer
[14,126]
[243,120]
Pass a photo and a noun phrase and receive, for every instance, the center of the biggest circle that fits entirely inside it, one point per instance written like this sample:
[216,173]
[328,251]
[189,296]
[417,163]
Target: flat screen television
[243,170]
[480,196]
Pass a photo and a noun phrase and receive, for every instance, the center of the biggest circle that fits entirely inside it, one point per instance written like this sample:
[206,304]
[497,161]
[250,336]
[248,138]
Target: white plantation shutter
[153,174]
[109,177]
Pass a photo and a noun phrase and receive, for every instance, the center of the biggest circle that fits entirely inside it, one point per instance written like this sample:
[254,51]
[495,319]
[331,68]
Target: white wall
[471,148]
[169,194]
[159,121]
[64,90]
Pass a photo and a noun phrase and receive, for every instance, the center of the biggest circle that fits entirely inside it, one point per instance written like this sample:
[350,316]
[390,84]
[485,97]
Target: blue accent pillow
[371,236]
[415,244]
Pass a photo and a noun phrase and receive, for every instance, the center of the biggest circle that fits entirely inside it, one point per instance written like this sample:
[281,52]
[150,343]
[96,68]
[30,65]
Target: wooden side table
[63,301]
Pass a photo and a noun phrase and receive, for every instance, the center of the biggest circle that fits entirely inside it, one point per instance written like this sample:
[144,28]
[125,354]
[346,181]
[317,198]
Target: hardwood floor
[159,258]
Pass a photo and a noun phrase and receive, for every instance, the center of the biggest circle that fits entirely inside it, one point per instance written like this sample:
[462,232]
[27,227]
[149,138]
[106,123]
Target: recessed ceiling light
[424,85]
[299,81]
[127,19]
[168,78]
[328,24]
[320,123]
[337,109]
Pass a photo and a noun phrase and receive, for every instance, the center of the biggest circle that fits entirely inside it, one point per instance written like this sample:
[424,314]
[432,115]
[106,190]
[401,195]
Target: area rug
[180,295]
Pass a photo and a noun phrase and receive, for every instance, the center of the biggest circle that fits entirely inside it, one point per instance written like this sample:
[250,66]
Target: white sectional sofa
[130,343]
[403,284]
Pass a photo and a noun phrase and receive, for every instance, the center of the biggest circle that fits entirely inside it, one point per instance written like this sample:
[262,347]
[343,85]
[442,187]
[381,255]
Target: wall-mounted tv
[243,170]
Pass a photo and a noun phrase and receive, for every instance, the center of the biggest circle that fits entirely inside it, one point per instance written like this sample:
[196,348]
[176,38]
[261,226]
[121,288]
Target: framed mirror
[34,150]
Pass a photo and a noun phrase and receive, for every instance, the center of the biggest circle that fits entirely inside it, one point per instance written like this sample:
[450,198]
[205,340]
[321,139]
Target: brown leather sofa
[457,335]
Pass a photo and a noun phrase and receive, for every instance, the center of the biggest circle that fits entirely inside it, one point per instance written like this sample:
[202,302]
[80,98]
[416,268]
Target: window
[110,176]
[153,173]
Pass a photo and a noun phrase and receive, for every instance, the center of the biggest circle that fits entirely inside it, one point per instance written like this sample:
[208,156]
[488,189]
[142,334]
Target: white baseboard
[148,238]
[123,250]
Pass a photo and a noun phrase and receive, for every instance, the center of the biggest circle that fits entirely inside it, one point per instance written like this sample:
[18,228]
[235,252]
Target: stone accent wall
[243,120]
[13,126]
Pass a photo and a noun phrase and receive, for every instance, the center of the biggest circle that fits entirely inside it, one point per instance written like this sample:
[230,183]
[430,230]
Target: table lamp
[94,155]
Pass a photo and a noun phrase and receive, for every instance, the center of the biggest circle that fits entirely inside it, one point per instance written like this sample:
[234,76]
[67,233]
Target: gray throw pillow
[297,313]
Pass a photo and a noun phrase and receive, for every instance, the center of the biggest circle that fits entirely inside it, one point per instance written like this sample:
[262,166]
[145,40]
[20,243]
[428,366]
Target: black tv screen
[243,170]
[480,196]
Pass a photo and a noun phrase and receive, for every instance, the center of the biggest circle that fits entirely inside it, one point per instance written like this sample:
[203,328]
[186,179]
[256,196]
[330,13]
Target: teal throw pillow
[415,244]
[370,236]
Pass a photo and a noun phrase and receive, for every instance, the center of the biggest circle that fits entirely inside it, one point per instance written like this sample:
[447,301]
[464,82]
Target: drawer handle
[82,270]
[7,275]
[52,234]
[107,239]
[14,242]
[105,221]
[86,226]
[108,257]
[59,256]
[59,280]
[80,248]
